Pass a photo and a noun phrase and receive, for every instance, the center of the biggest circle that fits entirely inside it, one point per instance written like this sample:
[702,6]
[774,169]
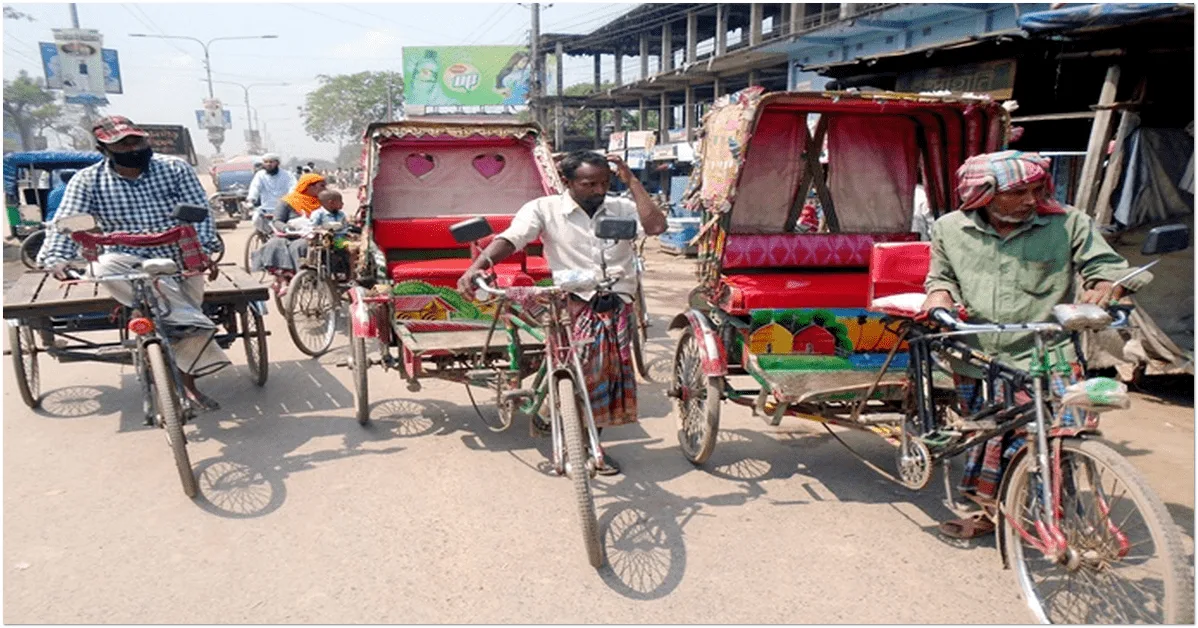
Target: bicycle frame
[561,359]
[1047,535]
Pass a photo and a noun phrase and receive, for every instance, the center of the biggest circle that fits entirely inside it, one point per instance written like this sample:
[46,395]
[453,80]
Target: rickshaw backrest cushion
[804,250]
[898,268]
[426,233]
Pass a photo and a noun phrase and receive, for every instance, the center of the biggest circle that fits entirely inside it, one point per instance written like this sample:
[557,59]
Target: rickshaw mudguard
[714,359]
[366,318]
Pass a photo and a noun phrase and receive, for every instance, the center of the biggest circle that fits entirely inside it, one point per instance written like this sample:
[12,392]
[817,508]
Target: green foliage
[13,14]
[341,108]
[30,107]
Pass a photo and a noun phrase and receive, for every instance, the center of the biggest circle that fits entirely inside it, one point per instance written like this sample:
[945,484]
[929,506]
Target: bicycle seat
[159,266]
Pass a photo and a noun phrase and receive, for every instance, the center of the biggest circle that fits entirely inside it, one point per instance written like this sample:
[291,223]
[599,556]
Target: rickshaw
[52,317]
[28,179]
[232,182]
[423,178]
[817,317]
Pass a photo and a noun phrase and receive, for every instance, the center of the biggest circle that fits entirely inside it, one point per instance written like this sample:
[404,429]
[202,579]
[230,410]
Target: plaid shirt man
[141,205]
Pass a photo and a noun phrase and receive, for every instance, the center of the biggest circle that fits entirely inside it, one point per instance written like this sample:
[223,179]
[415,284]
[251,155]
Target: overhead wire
[480,30]
[405,25]
[154,29]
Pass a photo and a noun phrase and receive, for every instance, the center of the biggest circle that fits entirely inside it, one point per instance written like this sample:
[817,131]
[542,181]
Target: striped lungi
[604,342]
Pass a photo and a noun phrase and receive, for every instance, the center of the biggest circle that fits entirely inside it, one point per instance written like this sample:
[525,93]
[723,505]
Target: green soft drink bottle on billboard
[467,75]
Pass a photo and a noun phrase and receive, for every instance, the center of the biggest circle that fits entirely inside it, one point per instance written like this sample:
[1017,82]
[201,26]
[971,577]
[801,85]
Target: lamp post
[207,58]
[216,134]
[246,90]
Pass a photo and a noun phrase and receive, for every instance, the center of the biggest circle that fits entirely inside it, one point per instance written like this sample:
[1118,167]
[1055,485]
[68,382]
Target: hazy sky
[162,77]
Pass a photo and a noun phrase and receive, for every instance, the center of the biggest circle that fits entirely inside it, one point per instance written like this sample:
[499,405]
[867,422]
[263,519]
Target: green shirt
[1020,277]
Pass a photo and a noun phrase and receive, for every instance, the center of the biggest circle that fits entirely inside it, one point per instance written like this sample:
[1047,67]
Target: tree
[341,108]
[13,14]
[350,155]
[31,108]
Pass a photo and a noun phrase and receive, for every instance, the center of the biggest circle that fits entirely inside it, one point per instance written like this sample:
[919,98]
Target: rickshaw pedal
[508,395]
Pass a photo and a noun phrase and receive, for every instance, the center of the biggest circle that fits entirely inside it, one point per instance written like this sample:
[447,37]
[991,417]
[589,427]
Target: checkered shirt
[143,205]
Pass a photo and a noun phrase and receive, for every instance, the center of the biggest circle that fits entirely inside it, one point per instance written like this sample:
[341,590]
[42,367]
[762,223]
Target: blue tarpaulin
[1079,16]
[44,160]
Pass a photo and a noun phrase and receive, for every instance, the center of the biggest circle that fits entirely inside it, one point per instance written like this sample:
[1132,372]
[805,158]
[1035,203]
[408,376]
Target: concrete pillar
[644,56]
[689,113]
[755,17]
[753,77]
[717,87]
[663,117]
[692,36]
[598,112]
[667,48]
[796,17]
[721,29]
[558,54]
[619,67]
[641,117]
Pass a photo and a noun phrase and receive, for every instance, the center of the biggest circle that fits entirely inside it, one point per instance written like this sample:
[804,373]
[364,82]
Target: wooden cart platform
[38,294]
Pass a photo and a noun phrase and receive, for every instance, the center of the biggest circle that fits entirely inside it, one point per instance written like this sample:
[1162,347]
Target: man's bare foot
[203,402]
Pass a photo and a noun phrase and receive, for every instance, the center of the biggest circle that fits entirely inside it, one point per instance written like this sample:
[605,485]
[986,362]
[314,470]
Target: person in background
[280,255]
[921,213]
[54,199]
[332,211]
[268,186]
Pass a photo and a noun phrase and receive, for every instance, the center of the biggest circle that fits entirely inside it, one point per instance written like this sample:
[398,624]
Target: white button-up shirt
[568,235]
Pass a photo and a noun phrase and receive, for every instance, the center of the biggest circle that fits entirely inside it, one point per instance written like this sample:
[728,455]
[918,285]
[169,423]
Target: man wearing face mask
[135,191]
[270,184]
[565,223]
[1008,256]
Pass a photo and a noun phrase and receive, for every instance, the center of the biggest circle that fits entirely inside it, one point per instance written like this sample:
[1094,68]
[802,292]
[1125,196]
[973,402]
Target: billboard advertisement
[78,64]
[466,75]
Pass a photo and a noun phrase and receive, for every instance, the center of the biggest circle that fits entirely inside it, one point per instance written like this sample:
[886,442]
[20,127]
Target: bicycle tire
[640,335]
[576,469]
[698,401]
[171,411]
[253,336]
[30,247]
[23,347]
[302,282]
[1176,601]
[360,365]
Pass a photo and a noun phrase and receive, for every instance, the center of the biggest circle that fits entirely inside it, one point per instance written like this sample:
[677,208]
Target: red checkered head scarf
[983,176]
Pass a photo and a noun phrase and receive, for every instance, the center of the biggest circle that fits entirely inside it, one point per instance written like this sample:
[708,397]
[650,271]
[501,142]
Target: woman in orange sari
[280,256]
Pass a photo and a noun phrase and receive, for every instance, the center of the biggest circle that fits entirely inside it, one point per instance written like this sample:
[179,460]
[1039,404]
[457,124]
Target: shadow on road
[73,402]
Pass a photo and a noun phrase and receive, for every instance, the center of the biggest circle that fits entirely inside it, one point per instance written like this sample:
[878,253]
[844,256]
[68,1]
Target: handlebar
[945,318]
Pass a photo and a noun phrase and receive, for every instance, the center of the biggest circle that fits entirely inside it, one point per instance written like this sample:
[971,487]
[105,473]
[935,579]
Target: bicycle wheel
[24,363]
[698,400]
[30,247]
[253,244]
[1108,510]
[360,364]
[311,313]
[219,255]
[253,336]
[576,468]
[640,334]
[171,412]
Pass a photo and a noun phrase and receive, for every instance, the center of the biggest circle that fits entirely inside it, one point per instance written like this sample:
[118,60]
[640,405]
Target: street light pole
[205,45]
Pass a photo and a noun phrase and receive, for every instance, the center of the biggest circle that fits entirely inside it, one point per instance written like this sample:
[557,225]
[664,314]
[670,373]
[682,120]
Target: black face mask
[138,159]
[272,171]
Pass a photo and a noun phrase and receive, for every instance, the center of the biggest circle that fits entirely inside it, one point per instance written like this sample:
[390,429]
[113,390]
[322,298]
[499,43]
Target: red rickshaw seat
[432,237]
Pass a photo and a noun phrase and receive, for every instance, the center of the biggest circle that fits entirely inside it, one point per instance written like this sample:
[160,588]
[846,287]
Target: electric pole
[537,80]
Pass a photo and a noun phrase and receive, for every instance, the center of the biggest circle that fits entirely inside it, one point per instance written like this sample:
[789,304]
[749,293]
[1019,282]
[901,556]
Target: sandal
[609,466]
[966,528]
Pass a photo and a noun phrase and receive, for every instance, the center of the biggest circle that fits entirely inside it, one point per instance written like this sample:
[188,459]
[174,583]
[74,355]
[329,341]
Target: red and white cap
[116,128]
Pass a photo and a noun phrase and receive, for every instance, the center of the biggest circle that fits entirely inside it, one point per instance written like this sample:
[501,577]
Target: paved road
[425,516]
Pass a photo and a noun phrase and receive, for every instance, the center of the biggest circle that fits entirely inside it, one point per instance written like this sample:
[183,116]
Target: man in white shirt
[565,224]
[268,186]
